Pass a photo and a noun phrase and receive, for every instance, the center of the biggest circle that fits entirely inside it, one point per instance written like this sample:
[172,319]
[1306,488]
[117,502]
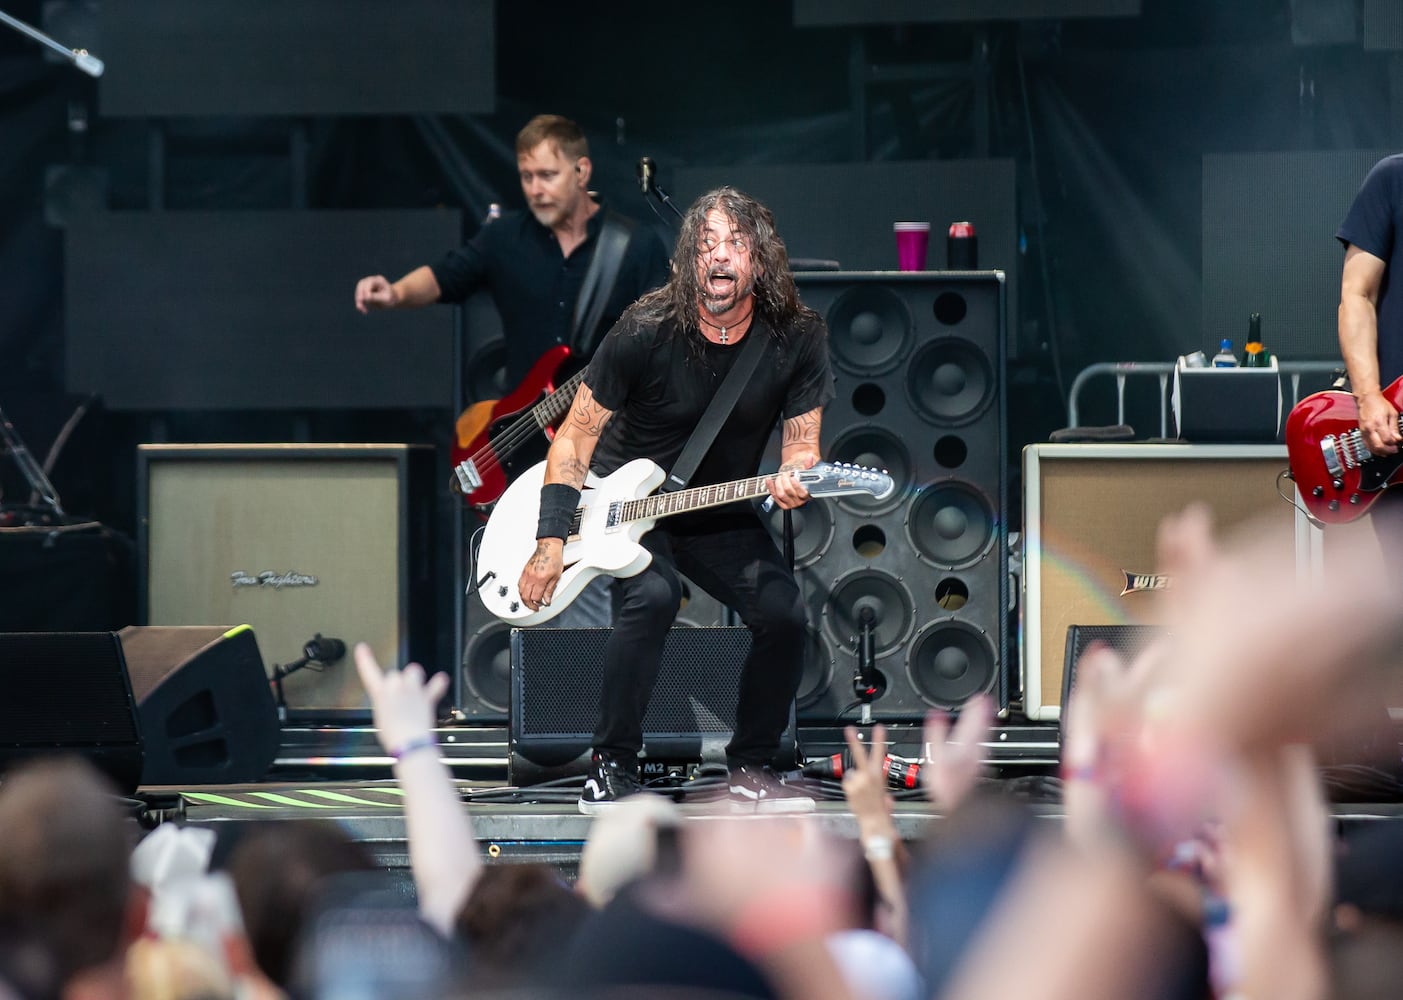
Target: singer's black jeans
[742,568]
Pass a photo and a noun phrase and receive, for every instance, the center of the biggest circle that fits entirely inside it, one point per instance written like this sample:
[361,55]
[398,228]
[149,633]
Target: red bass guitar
[1339,478]
[496,438]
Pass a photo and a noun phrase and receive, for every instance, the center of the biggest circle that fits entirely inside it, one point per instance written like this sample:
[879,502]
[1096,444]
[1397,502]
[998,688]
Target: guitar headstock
[839,478]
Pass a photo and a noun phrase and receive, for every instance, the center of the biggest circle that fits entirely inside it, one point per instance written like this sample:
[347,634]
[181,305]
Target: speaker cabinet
[68,692]
[1090,517]
[919,365]
[487,657]
[1126,640]
[556,681]
[207,712]
[293,540]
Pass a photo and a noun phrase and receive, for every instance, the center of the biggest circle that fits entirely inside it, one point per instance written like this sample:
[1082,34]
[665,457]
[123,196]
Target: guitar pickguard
[1377,473]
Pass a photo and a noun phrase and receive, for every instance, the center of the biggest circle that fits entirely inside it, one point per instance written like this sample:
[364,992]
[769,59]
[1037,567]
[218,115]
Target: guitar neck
[696,498]
[554,406]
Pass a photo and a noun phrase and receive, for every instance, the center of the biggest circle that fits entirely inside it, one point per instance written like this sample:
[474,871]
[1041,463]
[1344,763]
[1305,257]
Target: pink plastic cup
[912,238]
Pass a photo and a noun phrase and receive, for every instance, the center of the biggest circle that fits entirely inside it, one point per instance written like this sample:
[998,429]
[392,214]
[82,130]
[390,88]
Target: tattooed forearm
[573,472]
[802,431]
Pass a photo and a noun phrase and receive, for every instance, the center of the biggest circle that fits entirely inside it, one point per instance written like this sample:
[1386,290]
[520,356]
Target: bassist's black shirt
[658,386]
[534,288]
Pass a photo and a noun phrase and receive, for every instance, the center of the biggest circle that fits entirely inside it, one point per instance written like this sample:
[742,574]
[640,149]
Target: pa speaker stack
[918,360]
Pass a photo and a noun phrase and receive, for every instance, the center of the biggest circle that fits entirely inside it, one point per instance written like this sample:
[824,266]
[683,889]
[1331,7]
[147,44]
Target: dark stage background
[1147,172]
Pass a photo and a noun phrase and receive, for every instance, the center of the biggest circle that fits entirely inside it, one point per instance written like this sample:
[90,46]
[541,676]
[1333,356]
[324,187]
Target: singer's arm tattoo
[802,431]
[587,415]
[799,449]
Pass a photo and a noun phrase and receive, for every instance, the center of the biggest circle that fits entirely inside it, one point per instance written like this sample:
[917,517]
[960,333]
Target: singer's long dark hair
[776,298]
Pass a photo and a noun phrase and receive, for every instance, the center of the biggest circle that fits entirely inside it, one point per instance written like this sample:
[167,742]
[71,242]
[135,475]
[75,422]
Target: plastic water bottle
[1225,358]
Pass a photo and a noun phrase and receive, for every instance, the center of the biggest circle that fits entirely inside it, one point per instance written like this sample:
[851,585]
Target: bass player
[538,264]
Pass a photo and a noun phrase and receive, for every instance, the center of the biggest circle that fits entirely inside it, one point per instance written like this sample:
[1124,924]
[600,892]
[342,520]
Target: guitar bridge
[468,477]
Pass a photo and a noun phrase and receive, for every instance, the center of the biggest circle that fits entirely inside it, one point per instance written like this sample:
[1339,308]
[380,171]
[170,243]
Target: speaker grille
[557,680]
[1127,640]
[82,679]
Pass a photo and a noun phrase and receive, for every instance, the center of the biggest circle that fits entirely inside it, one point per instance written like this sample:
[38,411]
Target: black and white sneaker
[610,780]
[756,788]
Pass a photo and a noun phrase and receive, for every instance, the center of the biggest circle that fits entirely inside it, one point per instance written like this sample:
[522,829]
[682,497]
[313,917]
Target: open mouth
[721,281]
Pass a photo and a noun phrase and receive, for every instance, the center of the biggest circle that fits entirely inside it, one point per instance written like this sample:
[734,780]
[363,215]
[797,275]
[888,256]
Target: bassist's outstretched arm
[567,464]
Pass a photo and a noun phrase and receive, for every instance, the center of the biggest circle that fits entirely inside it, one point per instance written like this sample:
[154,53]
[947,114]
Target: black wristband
[558,505]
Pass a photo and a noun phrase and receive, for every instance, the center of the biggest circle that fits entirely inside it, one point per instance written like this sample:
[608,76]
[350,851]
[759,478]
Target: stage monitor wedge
[207,711]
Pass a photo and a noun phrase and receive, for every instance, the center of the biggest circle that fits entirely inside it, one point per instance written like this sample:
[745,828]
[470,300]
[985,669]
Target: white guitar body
[598,549]
[614,513]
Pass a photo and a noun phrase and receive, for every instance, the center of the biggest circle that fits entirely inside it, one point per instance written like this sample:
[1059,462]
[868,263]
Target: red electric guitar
[1339,478]
[496,438]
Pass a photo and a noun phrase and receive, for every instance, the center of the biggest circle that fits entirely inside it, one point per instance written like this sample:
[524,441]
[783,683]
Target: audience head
[64,876]
[516,918]
[278,870]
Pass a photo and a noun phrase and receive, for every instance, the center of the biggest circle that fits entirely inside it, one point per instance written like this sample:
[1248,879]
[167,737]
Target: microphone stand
[80,58]
[865,684]
[656,191]
[39,485]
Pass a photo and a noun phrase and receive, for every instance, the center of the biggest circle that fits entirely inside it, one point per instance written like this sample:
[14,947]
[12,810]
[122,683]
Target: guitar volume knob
[1319,491]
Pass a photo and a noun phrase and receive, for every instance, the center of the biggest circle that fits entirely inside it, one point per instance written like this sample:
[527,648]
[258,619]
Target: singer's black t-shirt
[658,381]
[518,261]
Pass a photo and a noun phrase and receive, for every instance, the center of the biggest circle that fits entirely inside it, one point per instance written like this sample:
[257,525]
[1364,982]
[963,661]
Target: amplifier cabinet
[1090,516]
[293,540]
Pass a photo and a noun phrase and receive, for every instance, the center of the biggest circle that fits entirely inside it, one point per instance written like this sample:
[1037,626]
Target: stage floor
[341,774]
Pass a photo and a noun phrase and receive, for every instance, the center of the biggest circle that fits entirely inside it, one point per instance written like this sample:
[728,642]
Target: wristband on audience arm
[413,744]
[558,505]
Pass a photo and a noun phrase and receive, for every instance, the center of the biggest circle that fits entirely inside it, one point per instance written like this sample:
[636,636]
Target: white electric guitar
[613,515]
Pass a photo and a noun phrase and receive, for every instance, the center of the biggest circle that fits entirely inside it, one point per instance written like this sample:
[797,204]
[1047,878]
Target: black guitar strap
[598,286]
[717,411]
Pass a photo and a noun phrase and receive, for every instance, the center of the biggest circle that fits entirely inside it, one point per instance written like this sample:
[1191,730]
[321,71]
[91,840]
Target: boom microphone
[323,649]
[645,170]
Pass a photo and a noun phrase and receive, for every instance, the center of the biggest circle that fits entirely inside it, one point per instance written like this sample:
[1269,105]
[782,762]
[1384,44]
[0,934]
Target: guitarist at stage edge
[643,394]
[534,264]
[1371,329]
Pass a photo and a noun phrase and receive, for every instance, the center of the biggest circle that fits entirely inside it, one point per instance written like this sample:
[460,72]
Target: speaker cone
[951,662]
[951,523]
[890,603]
[487,666]
[813,531]
[870,330]
[950,381]
[878,449]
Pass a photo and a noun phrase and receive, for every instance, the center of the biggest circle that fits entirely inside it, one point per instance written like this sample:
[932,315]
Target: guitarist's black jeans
[740,567]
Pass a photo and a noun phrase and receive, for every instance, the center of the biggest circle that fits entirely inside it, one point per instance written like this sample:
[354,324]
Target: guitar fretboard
[550,409]
[696,498]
